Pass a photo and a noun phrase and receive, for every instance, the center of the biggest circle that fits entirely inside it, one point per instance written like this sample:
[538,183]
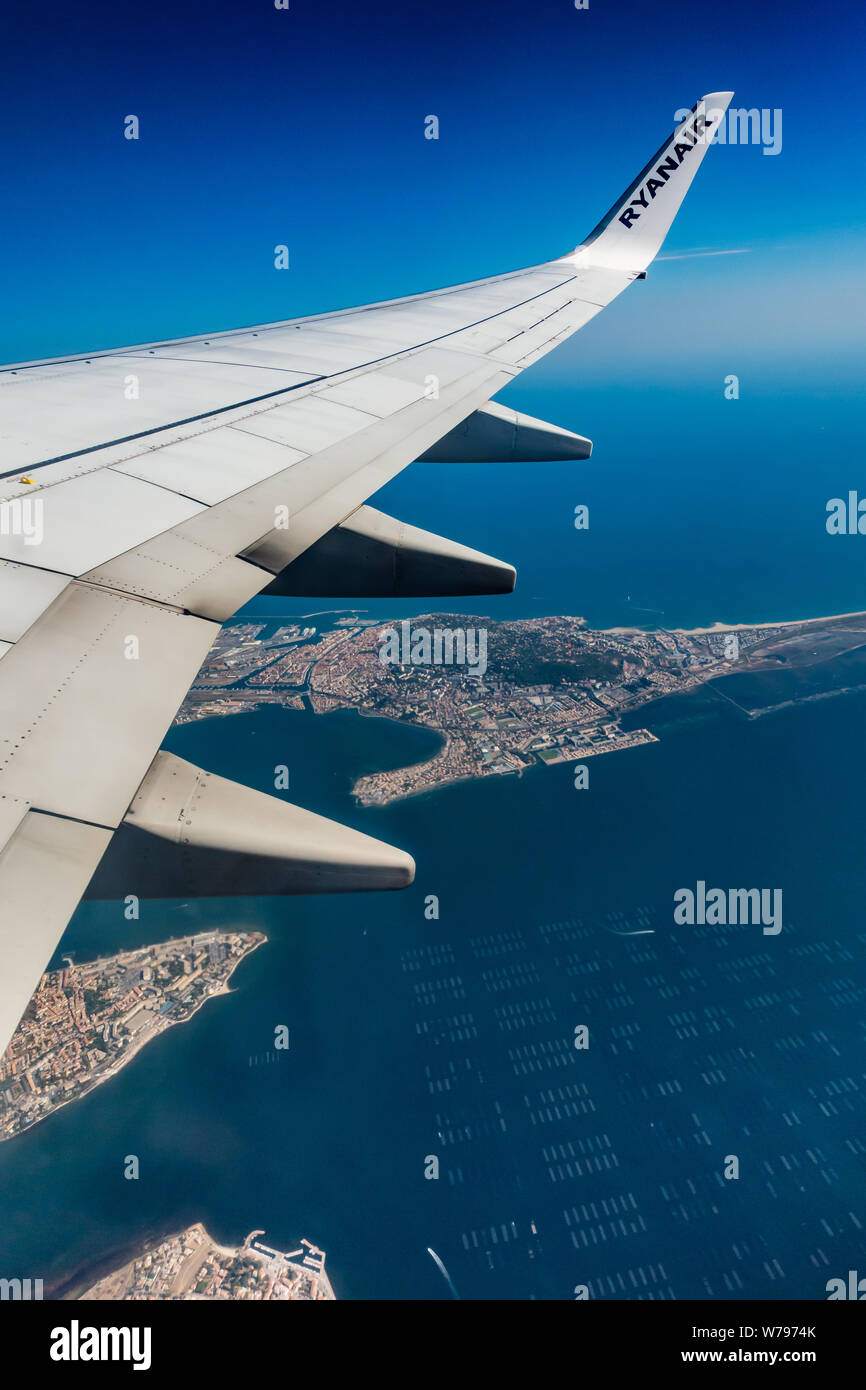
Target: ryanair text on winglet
[686,140]
[77,1343]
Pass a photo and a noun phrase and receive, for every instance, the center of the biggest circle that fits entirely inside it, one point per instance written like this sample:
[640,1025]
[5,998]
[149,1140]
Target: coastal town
[551,689]
[85,1022]
[193,1266]
[548,691]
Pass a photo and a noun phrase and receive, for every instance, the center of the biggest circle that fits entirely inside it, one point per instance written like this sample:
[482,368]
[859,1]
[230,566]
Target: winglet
[630,235]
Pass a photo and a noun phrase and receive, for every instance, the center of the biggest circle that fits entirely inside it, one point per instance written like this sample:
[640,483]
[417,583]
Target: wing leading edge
[140,521]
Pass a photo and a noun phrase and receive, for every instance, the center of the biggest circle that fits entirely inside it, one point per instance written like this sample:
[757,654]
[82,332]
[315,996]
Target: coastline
[742,627]
[218,1212]
[178,1280]
[518,772]
[362,799]
[70,1287]
[132,1051]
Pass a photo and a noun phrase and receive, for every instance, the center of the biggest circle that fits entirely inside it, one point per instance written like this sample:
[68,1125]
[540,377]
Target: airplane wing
[149,492]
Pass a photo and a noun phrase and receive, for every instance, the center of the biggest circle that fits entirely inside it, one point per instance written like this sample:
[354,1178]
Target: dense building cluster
[86,1021]
[193,1266]
[551,691]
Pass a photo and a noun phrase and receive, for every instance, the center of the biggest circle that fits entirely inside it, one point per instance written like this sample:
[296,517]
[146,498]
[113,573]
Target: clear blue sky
[305,127]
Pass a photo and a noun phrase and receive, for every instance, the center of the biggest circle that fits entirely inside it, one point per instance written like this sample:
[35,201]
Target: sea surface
[450,1037]
[453,1038]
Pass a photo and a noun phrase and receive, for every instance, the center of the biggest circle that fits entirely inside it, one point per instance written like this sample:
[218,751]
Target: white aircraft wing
[149,492]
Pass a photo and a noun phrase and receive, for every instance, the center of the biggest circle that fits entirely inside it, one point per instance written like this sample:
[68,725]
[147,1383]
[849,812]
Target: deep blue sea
[453,1038]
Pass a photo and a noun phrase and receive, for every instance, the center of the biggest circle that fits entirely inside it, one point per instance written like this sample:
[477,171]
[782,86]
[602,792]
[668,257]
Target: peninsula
[85,1022]
[551,690]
